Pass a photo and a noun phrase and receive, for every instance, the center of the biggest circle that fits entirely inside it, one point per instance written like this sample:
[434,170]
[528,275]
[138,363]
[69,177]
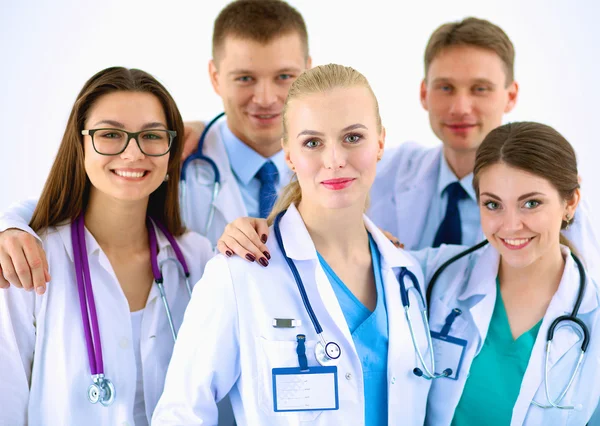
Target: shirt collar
[245,162]
[447,176]
[92,246]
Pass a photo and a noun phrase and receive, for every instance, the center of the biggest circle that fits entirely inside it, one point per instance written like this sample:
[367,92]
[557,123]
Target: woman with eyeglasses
[94,348]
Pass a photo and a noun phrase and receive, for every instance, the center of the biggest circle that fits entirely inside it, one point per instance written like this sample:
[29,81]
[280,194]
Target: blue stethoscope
[328,353]
[198,155]
[572,318]
[102,390]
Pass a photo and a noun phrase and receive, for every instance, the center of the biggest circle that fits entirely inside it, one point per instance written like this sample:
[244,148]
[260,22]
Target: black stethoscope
[328,352]
[102,389]
[198,155]
[572,318]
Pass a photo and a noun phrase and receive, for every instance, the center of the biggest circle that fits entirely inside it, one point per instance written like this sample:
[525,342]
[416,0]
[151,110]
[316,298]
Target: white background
[49,49]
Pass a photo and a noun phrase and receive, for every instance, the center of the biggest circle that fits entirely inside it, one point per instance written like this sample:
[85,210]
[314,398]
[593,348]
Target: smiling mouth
[516,243]
[134,175]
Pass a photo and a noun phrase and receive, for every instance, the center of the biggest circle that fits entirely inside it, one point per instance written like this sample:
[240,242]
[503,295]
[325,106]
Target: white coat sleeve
[584,238]
[205,363]
[17,344]
[430,259]
[18,216]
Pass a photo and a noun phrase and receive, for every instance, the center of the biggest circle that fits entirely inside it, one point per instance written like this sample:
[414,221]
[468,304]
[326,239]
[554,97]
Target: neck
[461,162]
[265,148]
[340,232]
[541,277]
[115,224]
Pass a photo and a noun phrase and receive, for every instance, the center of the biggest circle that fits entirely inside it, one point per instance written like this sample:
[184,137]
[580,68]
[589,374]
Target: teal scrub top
[494,381]
[370,335]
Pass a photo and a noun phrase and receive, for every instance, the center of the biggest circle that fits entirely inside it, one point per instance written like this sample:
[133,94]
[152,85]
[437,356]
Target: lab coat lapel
[402,357]
[565,340]
[300,248]
[414,196]
[229,203]
[480,292]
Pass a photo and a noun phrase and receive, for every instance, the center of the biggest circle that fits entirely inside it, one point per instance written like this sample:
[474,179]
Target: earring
[568,221]
[166,179]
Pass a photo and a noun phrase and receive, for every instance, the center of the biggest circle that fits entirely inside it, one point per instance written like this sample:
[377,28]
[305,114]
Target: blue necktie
[267,175]
[449,231]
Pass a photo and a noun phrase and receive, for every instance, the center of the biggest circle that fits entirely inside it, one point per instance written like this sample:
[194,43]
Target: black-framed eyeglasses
[153,143]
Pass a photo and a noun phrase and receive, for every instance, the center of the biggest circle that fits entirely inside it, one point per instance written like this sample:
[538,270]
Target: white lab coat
[236,348]
[406,182]
[470,285]
[43,354]
[197,190]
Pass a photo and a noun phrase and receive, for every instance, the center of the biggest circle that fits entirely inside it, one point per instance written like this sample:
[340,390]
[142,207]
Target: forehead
[508,181]
[130,108]
[285,51]
[332,110]
[467,63]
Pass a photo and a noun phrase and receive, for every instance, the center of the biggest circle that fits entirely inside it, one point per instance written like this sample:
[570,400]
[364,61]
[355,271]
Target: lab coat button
[124,343]
[348,376]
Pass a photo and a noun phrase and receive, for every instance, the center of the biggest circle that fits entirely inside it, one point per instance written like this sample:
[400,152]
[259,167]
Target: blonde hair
[319,79]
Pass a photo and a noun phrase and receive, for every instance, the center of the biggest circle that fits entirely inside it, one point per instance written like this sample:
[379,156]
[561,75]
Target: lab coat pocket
[279,354]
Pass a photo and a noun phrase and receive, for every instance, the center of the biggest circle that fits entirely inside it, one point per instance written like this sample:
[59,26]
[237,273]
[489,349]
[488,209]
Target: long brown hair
[534,148]
[66,192]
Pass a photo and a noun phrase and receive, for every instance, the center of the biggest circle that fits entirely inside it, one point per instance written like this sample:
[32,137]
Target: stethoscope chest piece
[102,391]
[328,354]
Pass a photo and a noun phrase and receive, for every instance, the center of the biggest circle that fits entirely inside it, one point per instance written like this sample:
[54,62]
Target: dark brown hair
[534,148]
[66,192]
[472,32]
[257,20]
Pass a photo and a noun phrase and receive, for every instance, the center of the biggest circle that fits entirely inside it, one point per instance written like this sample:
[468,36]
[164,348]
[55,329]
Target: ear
[213,73]
[381,143]
[423,95]
[513,94]
[572,204]
[308,63]
[286,153]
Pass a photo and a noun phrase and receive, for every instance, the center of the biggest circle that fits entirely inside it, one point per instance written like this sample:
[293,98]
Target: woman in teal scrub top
[497,304]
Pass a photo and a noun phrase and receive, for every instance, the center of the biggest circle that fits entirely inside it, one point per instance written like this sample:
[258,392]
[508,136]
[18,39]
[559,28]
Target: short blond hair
[320,79]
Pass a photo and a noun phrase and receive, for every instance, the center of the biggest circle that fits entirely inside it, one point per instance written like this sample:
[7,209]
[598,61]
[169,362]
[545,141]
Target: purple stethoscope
[102,389]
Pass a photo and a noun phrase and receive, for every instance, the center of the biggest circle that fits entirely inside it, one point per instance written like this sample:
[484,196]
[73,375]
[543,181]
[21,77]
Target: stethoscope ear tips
[447,372]
[418,372]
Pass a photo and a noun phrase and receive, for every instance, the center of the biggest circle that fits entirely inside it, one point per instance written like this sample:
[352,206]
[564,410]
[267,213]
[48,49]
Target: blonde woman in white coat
[246,323]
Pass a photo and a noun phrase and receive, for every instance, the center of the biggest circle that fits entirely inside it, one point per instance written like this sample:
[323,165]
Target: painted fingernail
[250,257]
[263,262]
[228,253]
[263,238]
[40,290]
[267,255]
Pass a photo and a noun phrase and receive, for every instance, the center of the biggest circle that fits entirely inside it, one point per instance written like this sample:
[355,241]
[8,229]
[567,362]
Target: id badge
[449,353]
[308,390]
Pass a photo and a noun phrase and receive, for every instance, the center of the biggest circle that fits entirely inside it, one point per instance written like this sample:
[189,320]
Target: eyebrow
[521,198]
[151,125]
[474,81]
[345,129]
[243,71]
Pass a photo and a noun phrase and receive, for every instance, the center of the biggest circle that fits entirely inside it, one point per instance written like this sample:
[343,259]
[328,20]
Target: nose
[462,104]
[334,156]
[512,220]
[265,93]
[132,151]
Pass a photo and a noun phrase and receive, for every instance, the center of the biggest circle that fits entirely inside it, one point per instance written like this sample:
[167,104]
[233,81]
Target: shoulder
[408,158]
[197,251]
